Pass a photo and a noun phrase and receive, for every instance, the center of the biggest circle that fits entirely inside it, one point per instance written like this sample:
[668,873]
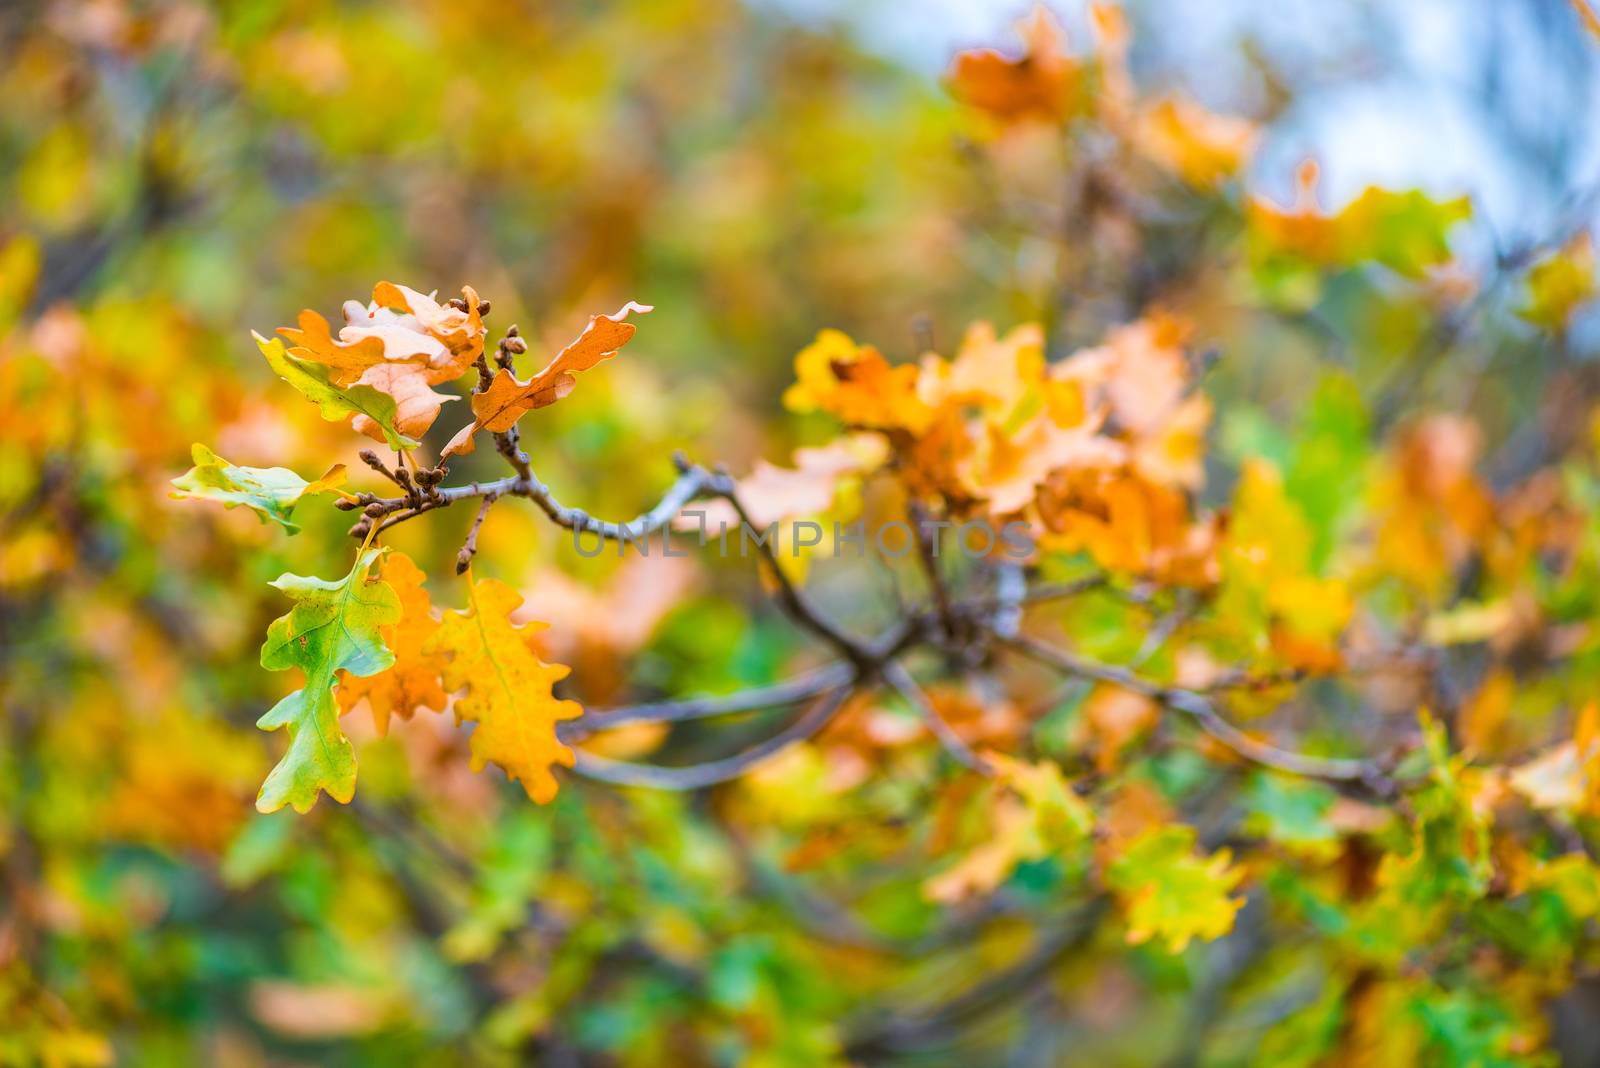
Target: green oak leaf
[333,627]
[1291,811]
[336,402]
[270,492]
[1407,232]
[1170,890]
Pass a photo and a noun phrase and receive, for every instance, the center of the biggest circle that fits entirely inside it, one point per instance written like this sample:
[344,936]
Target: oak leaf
[1202,147]
[1116,717]
[401,344]
[1404,231]
[459,332]
[500,406]
[1566,777]
[855,384]
[412,681]
[1036,814]
[315,382]
[506,687]
[773,494]
[335,626]
[1168,889]
[1560,284]
[270,492]
[400,326]
[1039,84]
[416,403]
[313,340]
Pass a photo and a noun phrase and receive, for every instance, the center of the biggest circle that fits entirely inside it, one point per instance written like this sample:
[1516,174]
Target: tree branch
[696,776]
[928,558]
[784,693]
[692,482]
[1198,707]
[469,548]
[794,602]
[898,677]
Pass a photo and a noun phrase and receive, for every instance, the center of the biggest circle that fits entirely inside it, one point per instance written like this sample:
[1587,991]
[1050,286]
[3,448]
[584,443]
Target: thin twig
[898,677]
[784,693]
[1198,707]
[696,776]
[469,548]
[888,1033]
[692,482]
[794,602]
[928,558]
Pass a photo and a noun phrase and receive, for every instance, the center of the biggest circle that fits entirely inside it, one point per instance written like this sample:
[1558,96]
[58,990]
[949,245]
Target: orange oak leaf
[1141,372]
[313,340]
[412,682]
[416,403]
[460,332]
[1129,524]
[399,326]
[506,687]
[1040,84]
[1115,717]
[857,385]
[504,402]
[401,344]
[1008,470]
[989,371]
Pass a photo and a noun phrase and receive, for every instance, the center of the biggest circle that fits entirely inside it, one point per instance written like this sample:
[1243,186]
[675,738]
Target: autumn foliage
[1036,598]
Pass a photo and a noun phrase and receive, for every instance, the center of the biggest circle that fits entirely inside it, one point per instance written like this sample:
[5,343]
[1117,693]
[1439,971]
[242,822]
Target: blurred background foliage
[176,174]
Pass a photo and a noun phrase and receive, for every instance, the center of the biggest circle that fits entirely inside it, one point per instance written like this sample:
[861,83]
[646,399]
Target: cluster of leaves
[1279,746]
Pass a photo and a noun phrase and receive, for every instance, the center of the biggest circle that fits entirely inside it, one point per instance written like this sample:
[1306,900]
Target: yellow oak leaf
[1202,147]
[507,398]
[412,682]
[505,687]
[1268,576]
[1560,284]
